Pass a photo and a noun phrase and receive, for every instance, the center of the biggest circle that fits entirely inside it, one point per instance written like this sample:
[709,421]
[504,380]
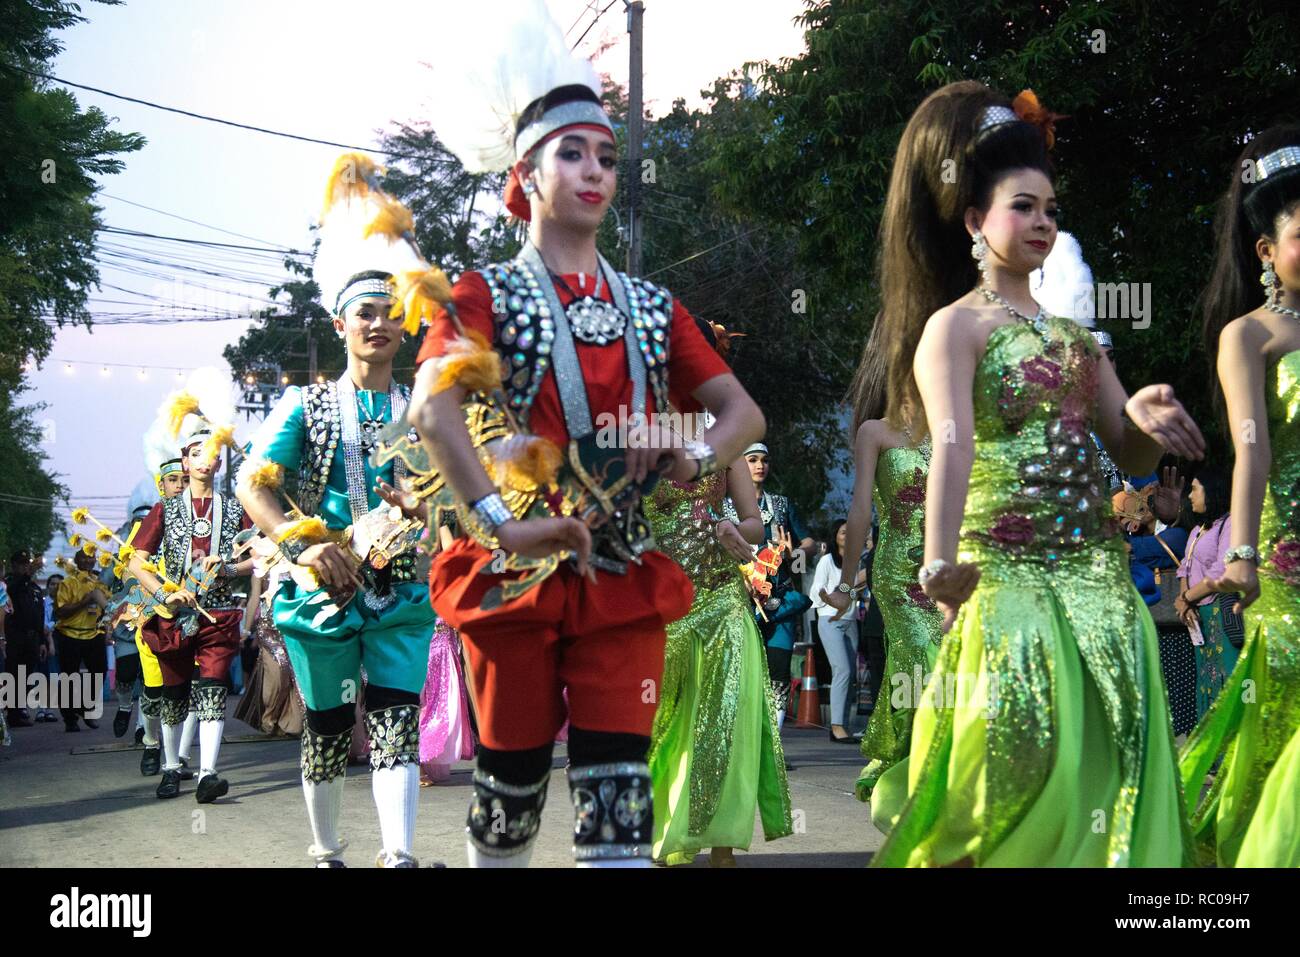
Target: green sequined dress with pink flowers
[913,625]
[1250,815]
[715,747]
[1043,736]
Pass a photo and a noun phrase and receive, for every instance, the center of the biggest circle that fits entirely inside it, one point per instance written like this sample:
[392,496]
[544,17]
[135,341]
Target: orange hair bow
[1027,107]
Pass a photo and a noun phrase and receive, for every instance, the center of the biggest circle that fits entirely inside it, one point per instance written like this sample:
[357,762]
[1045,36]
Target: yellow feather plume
[176,410]
[348,179]
[150,567]
[392,219]
[261,473]
[222,436]
[103,535]
[170,587]
[88,548]
[526,462]
[105,559]
[308,529]
[75,540]
[469,362]
[80,515]
[119,570]
[419,294]
[125,553]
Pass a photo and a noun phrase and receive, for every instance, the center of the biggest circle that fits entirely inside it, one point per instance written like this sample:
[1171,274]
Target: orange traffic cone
[810,699]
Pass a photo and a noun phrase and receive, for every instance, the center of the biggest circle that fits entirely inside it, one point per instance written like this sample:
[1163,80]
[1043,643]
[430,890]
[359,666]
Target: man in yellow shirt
[78,638]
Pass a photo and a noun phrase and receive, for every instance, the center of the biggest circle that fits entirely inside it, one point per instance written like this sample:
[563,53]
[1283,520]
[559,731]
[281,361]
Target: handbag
[1163,611]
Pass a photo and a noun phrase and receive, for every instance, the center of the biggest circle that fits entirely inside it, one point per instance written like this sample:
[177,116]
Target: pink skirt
[445,733]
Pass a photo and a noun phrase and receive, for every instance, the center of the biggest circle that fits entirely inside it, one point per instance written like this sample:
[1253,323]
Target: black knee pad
[394,733]
[378,698]
[174,707]
[509,794]
[177,693]
[331,721]
[609,781]
[605,747]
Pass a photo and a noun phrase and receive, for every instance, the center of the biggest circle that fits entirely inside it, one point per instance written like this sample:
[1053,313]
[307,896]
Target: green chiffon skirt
[1043,738]
[715,753]
[1250,814]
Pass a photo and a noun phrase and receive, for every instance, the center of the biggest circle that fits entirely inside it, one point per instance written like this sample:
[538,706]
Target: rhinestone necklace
[1282,310]
[592,319]
[1038,320]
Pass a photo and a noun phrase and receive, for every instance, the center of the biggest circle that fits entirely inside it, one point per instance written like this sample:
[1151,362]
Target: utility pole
[311,356]
[635,14]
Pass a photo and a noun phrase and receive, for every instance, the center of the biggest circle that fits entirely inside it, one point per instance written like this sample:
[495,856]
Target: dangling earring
[529,187]
[341,333]
[1272,288]
[979,251]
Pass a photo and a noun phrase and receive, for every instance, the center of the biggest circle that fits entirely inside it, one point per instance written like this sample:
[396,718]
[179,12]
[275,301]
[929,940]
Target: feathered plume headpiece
[368,249]
[509,88]
[1063,286]
[202,412]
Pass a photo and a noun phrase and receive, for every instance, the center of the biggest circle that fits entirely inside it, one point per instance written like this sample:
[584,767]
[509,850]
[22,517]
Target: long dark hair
[1218,495]
[1247,211]
[943,166]
[836,555]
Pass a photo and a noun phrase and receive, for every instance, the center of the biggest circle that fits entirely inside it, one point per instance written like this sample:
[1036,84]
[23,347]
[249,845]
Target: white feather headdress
[367,247]
[203,411]
[511,54]
[1063,287]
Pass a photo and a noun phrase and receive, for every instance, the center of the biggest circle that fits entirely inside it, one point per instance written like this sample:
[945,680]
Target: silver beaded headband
[573,113]
[1103,339]
[362,289]
[170,467]
[1276,161]
[996,116]
[757,447]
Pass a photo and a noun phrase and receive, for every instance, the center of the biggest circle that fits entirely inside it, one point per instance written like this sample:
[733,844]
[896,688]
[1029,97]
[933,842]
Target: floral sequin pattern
[1059,505]
[909,500]
[1063,376]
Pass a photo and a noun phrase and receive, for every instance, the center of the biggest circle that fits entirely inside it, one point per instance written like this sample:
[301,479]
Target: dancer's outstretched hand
[837,600]
[540,537]
[950,587]
[1239,578]
[1156,412]
[730,538]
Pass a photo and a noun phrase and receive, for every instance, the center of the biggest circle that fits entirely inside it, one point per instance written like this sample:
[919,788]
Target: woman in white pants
[839,637]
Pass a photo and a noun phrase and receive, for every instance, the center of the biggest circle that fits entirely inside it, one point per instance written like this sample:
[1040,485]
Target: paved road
[79,800]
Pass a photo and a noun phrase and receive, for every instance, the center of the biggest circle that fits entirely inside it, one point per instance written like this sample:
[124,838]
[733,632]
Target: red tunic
[604,641]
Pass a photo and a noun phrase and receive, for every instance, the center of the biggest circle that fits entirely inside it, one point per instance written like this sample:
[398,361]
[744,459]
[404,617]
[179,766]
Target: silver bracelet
[492,511]
[1242,553]
[292,548]
[159,595]
[929,571]
[704,457]
[229,569]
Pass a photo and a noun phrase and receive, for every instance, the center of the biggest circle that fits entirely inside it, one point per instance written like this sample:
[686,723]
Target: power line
[210,119]
[284,250]
[679,262]
[163,212]
[593,23]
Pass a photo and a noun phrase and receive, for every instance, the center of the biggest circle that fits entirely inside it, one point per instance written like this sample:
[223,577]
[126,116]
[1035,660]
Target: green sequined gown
[715,749]
[912,622]
[1250,816]
[1043,737]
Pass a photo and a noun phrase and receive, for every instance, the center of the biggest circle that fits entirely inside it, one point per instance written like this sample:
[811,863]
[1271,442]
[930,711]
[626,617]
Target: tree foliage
[53,150]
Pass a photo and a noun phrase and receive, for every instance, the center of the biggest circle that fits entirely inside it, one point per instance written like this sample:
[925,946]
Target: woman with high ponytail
[1043,736]
[1251,815]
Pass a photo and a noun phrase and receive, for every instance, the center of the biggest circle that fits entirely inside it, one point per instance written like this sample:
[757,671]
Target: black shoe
[120,721]
[139,736]
[210,788]
[170,786]
[19,720]
[333,862]
[186,773]
[71,725]
[151,761]
[91,724]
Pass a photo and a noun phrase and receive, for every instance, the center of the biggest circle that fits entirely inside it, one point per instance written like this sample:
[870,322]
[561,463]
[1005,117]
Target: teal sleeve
[280,438]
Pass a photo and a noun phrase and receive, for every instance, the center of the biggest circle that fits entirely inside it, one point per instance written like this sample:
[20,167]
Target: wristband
[1242,553]
[229,569]
[160,595]
[844,588]
[292,548]
[492,511]
[704,457]
[929,571]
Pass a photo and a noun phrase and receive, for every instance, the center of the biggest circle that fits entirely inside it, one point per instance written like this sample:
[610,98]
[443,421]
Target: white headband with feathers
[511,53]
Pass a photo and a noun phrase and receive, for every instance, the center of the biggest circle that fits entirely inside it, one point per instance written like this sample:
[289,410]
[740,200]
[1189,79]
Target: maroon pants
[212,647]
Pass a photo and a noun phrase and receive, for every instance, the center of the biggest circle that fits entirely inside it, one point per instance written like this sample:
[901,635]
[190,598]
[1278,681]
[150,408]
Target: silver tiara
[997,116]
[1276,161]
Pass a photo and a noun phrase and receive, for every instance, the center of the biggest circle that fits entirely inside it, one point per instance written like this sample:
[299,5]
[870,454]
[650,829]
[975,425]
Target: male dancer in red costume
[581,341]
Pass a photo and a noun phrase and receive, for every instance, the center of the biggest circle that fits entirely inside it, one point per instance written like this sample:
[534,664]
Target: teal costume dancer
[387,636]
[715,748]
